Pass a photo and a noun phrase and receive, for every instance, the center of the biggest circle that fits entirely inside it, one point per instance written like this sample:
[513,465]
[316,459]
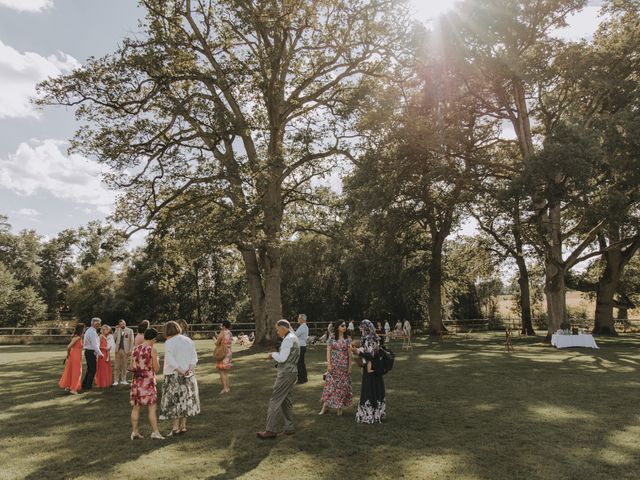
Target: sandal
[183,430]
[173,432]
[135,436]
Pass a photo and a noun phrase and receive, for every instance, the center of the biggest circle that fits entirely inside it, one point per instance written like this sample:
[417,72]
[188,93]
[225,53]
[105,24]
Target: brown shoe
[266,434]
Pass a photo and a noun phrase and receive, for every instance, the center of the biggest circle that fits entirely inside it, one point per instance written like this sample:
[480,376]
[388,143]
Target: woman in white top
[180,397]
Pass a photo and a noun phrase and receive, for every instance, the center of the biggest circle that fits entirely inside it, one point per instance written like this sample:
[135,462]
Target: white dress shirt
[92,341]
[302,333]
[179,355]
[285,348]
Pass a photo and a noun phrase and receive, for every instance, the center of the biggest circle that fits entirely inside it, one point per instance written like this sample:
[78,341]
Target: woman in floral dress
[224,338]
[337,392]
[144,366]
[372,407]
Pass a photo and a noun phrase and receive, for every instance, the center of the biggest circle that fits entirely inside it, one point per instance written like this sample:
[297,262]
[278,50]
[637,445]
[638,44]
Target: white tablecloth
[565,341]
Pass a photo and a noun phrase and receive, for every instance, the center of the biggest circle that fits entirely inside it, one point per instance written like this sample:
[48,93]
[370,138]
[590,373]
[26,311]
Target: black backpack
[384,359]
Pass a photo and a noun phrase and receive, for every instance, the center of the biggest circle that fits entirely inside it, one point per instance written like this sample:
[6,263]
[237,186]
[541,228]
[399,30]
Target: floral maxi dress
[338,391]
[225,363]
[143,387]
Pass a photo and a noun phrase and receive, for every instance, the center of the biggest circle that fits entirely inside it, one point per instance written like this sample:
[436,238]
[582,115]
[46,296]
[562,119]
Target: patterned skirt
[373,406]
[180,397]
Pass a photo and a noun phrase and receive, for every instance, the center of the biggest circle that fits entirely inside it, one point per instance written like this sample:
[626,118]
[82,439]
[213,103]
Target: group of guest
[98,342]
[180,397]
[337,392]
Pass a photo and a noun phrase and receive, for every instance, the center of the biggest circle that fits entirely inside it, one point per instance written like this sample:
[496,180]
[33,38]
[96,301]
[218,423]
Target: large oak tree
[230,107]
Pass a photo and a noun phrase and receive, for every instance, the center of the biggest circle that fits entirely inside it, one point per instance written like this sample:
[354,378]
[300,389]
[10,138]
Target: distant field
[576,301]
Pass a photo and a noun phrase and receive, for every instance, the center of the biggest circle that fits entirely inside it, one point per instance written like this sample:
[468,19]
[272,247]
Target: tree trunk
[525,296]
[436,327]
[256,293]
[272,267]
[554,285]
[523,278]
[197,278]
[606,290]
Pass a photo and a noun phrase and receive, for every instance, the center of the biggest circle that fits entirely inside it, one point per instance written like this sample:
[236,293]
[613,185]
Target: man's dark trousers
[87,381]
[302,368]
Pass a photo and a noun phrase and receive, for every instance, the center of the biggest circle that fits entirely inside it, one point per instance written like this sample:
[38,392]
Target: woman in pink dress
[144,391]
[71,379]
[338,392]
[224,365]
[142,327]
[104,369]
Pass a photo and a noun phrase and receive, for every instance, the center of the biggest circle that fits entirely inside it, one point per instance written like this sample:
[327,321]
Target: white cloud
[19,74]
[41,166]
[28,212]
[27,5]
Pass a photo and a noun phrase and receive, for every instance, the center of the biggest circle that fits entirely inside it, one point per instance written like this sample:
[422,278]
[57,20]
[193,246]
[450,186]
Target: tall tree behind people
[421,168]
[510,46]
[613,89]
[230,107]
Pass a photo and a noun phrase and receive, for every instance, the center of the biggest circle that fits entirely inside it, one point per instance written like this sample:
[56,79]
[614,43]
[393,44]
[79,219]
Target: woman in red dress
[71,379]
[104,368]
[144,390]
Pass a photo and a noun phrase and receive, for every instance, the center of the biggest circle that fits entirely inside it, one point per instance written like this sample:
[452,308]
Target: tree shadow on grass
[456,409]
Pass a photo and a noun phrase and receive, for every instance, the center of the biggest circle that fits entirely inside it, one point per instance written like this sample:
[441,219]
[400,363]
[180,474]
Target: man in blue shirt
[302,333]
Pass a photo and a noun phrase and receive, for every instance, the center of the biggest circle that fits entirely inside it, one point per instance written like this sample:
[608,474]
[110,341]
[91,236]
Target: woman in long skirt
[338,392]
[372,406]
[71,379]
[180,397]
[104,370]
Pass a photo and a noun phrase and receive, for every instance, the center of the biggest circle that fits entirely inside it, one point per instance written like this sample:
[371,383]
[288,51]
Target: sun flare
[427,10]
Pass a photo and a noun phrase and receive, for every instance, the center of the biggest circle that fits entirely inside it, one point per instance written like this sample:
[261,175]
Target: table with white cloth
[580,340]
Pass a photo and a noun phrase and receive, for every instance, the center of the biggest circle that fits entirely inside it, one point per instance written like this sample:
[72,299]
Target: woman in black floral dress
[372,407]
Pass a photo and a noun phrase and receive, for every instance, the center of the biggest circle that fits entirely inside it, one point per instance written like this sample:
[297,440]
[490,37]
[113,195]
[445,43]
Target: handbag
[220,351]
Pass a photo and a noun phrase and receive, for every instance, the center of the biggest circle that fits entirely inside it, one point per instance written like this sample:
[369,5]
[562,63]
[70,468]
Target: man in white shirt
[280,403]
[302,333]
[91,345]
[124,346]
[351,329]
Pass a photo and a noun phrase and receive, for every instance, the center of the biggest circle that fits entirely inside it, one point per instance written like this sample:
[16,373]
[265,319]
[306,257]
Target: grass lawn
[460,409]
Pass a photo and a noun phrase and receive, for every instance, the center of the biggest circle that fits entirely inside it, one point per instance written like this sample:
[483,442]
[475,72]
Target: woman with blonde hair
[223,354]
[180,397]
[104,370]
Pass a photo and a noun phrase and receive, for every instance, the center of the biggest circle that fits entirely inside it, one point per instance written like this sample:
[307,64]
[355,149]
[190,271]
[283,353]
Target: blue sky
[41,186]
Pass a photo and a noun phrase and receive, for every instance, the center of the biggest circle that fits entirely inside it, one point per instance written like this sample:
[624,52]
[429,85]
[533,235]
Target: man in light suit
[123,338]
